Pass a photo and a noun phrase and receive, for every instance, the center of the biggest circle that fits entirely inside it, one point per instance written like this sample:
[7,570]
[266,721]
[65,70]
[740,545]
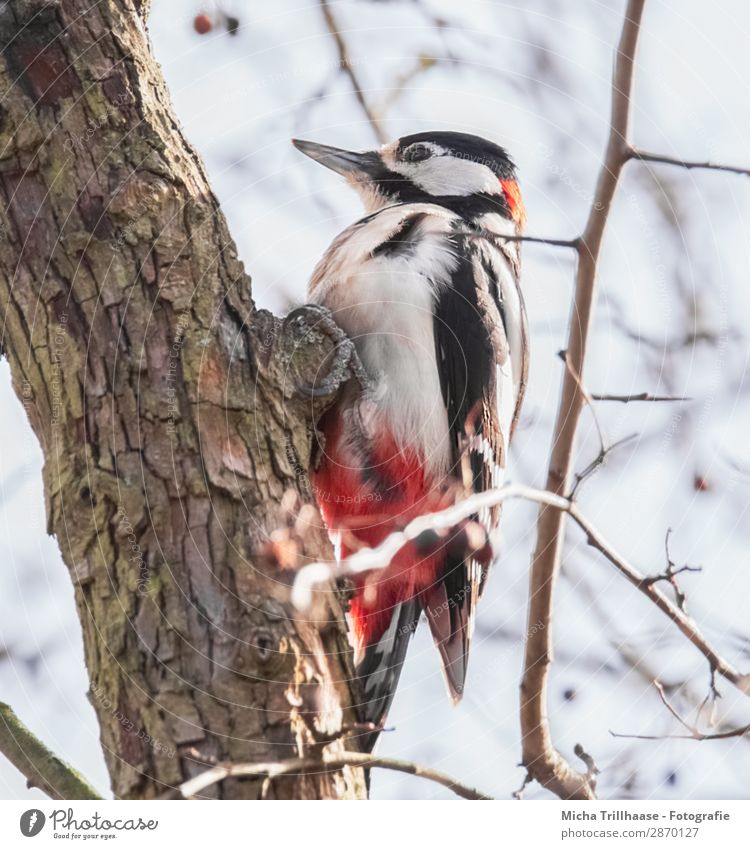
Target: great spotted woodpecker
[427,287]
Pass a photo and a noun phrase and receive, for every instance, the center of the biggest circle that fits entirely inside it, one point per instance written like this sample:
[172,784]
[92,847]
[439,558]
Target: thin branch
[670,575]
[579,478]
[640,664]
[518,794]
[604,450]
[711,697]
[640,396]
[700,737]
[722,735]
[694,733]
[540,240]
[665,701]
[592,770]
[647,585]
[328,763]
[540,757]
[348,69]
[644,156]
[382,555]
[40,766]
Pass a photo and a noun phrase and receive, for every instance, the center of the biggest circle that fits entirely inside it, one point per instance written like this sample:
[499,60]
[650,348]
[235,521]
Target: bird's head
[465,173]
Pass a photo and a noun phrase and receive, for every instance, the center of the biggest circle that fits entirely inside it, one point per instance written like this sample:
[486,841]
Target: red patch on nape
[515,203]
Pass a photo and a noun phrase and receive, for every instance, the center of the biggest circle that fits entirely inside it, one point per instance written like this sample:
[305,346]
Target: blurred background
[534,76]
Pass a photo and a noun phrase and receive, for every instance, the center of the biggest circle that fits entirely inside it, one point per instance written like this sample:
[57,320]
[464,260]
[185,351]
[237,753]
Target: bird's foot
[307,324]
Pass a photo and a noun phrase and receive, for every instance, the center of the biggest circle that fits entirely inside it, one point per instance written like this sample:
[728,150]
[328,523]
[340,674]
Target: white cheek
[448,175]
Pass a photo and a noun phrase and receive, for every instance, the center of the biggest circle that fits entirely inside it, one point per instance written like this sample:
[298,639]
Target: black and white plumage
[427,287]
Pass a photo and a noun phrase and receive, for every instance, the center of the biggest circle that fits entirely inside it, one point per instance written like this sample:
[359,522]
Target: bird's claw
[312,318]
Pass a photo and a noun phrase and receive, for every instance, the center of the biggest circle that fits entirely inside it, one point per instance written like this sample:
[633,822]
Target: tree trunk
[166,409]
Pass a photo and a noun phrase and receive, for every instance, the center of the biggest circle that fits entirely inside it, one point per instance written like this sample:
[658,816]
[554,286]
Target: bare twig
[327,763]
[640,396]
[540,757]
[579,478]
[592,770]
[670,575]
[518,794]
[41,767]
[382,555]
[640,664]
[348,69]
[711,697]
[665,701]
[700,736]
[647,585]
[604,449]
[540,240]
[694,733]
[713,692]
[644,156]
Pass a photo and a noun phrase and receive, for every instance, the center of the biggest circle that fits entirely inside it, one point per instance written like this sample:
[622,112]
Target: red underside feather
[365,506]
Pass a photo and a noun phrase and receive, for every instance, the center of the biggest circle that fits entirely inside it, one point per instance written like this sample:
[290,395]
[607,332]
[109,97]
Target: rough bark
[165,406]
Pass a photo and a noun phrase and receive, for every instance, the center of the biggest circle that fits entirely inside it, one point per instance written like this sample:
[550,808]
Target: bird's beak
[346,162]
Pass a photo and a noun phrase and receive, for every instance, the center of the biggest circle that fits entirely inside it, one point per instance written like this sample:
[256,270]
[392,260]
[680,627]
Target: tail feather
[380,668]
[450,605]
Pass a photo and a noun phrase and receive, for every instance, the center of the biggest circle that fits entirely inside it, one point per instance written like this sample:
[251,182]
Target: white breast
[385,305]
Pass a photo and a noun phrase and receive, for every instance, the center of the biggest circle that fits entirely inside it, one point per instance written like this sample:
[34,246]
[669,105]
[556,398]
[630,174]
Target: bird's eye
[417,153]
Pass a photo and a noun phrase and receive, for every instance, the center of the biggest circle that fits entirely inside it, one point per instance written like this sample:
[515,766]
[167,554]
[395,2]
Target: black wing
[481,350]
